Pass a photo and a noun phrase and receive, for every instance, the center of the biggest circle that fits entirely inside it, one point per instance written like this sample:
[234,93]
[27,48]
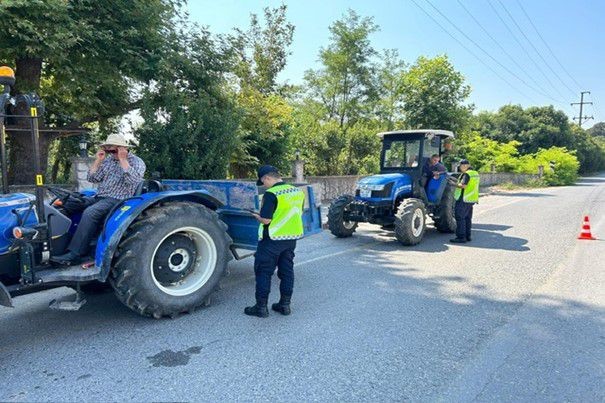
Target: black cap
[464,161]
[264,170]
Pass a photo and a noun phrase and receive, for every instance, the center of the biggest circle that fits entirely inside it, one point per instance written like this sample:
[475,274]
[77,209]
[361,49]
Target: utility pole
[582,103]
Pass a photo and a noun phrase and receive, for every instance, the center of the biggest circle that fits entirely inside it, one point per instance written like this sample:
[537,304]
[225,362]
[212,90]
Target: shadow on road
[485,236]
[425,324]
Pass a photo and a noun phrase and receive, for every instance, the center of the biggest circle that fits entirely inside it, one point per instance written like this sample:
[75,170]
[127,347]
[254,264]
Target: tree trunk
[21,155]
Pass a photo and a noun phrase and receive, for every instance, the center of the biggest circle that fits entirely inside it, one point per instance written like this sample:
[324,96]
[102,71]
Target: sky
[516,68]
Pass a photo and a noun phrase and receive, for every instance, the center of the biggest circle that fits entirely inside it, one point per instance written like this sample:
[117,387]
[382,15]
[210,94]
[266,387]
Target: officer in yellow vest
[466,195]
[280,226]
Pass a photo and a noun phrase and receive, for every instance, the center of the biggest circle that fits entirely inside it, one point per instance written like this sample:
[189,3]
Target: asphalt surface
[517,315]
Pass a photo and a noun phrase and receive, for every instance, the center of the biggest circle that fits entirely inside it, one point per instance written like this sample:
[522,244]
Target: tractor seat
[149,186]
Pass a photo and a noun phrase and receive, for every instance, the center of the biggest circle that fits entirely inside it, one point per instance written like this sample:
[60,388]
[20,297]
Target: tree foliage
[434,94]
[84,57]
[189,121]
[260,54]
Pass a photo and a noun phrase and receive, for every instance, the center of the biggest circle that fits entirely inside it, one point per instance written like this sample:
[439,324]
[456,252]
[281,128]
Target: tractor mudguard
[126,212]
[5,297]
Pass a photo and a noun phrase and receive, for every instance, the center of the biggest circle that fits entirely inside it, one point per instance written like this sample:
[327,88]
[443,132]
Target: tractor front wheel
[338,225]
[171,259]
[410,221]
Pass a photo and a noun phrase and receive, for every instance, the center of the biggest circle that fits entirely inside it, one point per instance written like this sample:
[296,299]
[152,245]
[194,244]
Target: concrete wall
[330,187]
[326,188]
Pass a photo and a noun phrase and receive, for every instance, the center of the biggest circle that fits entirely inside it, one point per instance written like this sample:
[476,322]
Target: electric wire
[514,36]
[512,59]
[488,54]
[471,52]
[534,47]
[548,46]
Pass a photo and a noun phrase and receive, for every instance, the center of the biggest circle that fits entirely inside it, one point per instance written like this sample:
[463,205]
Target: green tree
[343,91]
[344,84]
[598,129]
[83,57]
[260,55]
[435,95]
[390,81]
[190,121]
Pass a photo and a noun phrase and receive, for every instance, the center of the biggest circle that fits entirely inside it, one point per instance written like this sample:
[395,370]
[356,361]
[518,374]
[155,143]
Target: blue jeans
[269,255]
[463,212]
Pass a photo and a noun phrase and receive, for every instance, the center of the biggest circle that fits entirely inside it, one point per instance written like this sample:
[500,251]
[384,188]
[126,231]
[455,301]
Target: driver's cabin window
[402,154]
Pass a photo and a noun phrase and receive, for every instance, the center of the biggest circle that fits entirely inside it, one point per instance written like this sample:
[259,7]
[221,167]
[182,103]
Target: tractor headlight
[372,188]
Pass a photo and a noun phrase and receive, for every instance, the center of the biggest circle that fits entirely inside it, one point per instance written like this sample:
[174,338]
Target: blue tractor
[400,198]
[163,250]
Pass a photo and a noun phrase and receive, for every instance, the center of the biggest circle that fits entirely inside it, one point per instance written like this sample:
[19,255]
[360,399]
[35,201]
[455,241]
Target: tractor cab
[408,153]
[405,185]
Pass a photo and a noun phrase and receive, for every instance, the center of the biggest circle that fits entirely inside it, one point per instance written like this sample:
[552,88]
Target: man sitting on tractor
[433,167]
[117,173]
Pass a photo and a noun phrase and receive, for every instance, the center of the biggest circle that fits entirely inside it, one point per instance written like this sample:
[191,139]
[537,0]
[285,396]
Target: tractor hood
[384,179]
[384,186]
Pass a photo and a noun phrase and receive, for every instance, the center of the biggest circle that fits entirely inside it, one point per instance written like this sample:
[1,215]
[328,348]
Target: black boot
[260,309]
[283,306]
[67,259]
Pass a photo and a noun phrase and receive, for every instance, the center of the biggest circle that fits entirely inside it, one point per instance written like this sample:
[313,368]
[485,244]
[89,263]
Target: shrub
[564,170]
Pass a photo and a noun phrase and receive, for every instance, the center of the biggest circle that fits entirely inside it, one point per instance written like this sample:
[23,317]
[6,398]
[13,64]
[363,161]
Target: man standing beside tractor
[117,173]
[466,195]
[280,226]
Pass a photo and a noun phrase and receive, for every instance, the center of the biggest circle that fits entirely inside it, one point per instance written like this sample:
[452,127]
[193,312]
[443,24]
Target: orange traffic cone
[585,234]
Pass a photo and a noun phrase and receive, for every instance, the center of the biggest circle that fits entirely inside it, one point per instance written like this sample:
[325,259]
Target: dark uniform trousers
[94,211]
[463,212]
[271,254]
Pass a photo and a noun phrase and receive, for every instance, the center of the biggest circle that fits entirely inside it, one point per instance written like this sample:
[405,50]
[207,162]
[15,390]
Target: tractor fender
[126,212]
[5,297]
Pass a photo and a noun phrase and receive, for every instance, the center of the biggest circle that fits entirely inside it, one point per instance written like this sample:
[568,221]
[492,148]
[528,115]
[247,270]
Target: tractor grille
[384,193]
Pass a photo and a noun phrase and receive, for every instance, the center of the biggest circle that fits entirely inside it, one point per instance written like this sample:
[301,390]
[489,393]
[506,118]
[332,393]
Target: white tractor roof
[436,132]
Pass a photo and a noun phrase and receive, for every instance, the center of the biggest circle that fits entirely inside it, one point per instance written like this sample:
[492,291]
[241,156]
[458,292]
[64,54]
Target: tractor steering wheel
[63,194]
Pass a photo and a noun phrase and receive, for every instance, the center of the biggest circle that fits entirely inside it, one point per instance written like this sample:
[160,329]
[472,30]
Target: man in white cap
[117,173]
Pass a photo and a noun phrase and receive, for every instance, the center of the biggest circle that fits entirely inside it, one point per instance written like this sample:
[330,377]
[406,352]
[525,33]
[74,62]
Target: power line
[470,51]
[487,53]
[533,46]
[547,46]
[512,59]
[523,47]
[582,103]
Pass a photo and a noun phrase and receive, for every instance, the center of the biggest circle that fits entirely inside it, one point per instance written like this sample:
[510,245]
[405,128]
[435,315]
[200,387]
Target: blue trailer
[163,250]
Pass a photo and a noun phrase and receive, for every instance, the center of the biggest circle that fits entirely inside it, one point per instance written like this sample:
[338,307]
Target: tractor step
[76,273]
[64,304]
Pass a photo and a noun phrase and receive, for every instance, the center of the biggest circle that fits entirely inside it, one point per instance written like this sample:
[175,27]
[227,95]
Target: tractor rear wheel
[171,259]
[445,220]
[410,221]
[338,226]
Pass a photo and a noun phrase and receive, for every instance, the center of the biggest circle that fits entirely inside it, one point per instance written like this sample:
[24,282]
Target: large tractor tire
[336,222]
[171,260]
[410,221]
[445,220]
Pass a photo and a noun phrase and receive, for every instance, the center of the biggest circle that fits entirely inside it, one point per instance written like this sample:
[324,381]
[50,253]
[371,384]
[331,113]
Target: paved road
[518,315]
